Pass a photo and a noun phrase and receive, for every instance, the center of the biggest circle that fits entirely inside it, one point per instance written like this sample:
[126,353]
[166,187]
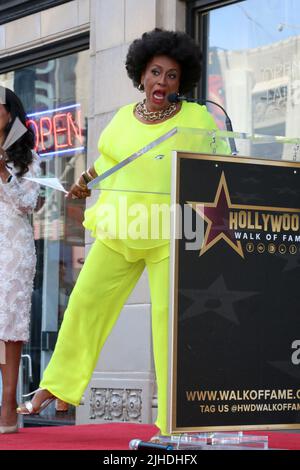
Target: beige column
[123,386]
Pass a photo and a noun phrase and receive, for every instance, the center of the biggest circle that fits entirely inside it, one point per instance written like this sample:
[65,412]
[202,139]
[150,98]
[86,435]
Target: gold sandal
[27,408]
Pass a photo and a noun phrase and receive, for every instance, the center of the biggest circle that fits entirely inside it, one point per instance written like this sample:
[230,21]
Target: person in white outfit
[18,198]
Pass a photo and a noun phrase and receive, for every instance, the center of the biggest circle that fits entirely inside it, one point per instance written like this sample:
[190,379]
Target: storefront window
[54,94]
[254,65]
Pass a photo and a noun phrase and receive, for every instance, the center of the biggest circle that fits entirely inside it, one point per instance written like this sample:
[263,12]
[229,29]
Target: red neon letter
[46,131]
[32,123]
[75,126]
[59,130]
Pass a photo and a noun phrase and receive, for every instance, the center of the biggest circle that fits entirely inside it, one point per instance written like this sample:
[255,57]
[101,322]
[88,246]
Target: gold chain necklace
[143,112]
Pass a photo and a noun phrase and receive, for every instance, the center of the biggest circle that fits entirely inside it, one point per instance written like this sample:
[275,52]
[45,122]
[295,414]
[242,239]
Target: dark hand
[78,192]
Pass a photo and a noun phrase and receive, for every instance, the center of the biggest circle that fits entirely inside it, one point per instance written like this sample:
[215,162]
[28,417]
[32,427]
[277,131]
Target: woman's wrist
[81,183]
[86,177]
[92,173]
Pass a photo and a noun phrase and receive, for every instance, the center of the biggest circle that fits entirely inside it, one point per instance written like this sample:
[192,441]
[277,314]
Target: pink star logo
[216,214]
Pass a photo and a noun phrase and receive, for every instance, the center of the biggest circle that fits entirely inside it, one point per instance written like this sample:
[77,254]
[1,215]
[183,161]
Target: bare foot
[61,405]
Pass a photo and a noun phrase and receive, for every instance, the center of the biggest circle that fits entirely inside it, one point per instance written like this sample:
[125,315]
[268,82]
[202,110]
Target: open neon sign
[57,131]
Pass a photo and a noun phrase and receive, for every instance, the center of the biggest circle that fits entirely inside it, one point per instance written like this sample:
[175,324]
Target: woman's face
[160,78]
[4,117]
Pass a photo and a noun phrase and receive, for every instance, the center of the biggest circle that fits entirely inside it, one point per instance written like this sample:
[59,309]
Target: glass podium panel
[239,143]
[217,440]
[156,155]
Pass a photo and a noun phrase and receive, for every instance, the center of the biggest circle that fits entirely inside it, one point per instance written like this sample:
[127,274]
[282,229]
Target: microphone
[176,98]
[137,444]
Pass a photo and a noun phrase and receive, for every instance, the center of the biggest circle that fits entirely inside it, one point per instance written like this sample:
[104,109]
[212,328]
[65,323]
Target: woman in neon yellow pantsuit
[160,63]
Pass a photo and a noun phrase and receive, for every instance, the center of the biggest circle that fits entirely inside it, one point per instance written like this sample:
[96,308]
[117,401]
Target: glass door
[54,94]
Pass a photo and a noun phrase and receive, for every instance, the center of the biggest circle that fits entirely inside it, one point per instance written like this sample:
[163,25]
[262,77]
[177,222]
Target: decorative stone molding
[110,404]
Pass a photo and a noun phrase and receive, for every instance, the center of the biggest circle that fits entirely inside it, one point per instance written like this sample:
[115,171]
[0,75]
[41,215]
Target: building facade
[65,59]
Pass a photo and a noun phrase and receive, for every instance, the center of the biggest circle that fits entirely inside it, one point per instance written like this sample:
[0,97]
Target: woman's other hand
[79,190]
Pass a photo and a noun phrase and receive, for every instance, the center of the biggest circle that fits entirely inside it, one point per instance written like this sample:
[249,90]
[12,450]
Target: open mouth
[158,96]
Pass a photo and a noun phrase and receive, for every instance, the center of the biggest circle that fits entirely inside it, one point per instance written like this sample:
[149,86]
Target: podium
[234,356]
[234,361]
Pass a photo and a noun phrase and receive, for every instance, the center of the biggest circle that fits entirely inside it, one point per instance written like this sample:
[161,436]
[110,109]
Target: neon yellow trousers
[104,284]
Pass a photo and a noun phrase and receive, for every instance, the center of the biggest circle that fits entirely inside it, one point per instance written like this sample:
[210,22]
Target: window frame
[67,46]
[196,19]
[16,9]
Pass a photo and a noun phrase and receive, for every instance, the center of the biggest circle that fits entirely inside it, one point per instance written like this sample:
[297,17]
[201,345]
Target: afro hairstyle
[177,45]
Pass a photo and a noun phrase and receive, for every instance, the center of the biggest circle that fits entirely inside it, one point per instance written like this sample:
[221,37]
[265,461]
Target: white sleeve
[20,193]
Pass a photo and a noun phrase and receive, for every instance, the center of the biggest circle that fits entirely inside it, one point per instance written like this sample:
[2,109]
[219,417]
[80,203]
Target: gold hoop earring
[141,88]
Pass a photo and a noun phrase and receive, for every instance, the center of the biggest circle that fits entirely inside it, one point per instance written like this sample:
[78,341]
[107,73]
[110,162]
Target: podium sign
[235,345]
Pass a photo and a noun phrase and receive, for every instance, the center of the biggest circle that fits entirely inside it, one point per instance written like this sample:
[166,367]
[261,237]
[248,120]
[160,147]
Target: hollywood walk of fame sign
[235,347]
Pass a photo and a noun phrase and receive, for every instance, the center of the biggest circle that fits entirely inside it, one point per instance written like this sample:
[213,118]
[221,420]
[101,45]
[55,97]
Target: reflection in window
[254,65]
[54,94]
